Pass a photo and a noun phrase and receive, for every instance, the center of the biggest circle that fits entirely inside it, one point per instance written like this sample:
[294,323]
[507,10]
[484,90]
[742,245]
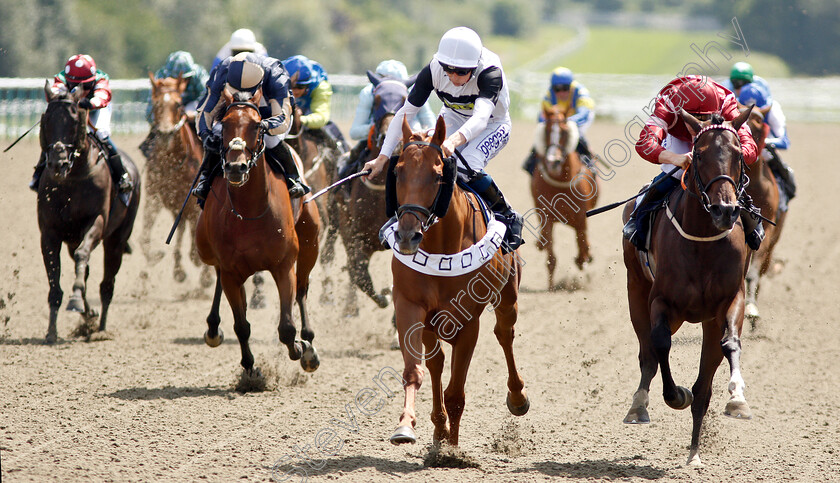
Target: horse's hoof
[683,399]
[51,338]
[395,343]
[214,341]
[521,410]
[100,336]
[403,434]
[180,276]
[76,304]
[751,310]
[91,315]
[738,409]
[309,361]
[694,459]
[637,416]
[383,300]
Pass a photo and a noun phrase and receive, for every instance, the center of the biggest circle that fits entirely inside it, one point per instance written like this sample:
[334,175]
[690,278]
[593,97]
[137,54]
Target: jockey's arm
[776,120]
[482,110]
[363,118]
[320,107]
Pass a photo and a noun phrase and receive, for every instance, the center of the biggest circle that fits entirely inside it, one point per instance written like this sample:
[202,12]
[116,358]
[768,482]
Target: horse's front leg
[677,397]
[582,238]
[752,281]
[410,322]
[358,266]
[153,207]
[547,236]
[235,293]
[435,362]
[455,396]
[284,277]
[214,336]
[178,272]
[51,253]
[81,256]
[638,290]
[710,357]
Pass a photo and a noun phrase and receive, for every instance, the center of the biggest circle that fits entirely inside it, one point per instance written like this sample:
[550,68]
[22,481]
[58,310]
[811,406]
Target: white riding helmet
[459,47]
[393,69]
[243,39]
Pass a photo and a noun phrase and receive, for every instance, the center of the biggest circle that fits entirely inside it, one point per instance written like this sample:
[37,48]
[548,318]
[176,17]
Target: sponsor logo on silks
[459,107]
[494,141]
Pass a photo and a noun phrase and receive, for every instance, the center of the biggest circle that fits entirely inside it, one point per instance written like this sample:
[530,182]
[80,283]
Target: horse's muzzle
[408,238]
[724,216]
[237,173]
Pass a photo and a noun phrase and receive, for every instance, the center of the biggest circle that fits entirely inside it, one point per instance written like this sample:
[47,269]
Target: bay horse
[363,211]
[249,224]
[565,187]
[439,227]
[764,191]
[78,206]
[176,154]
[319,160]
[698,258]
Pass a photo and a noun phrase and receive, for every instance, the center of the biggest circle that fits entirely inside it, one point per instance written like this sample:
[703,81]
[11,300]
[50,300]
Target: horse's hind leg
[81,256]
[358,266]
[51,253]
[454,396]
[214,336]
[737,406]
[547,234]
[752,281]
[582,242]
[178,272]
[284,277]
[153,207]
[114,250]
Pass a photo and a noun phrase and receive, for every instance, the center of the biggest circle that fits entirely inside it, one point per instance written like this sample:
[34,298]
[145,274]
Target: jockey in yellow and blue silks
[313,92]
[573,98]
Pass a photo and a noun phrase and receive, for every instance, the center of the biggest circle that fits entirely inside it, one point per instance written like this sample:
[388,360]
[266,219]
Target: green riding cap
[741,71]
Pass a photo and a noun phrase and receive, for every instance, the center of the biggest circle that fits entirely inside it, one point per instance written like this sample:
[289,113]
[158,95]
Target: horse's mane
[240,96]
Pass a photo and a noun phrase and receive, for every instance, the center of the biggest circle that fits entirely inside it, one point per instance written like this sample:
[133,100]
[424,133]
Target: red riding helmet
[80,68]
[695,94]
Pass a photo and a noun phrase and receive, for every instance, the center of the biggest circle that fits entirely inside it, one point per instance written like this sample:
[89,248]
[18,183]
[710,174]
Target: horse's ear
[255,99]
[742,118]
[152,78]
[691,122]
[440,131]
[406,129]
[410,81]
[48,91]
[374,78]
[227,96]
[183,82]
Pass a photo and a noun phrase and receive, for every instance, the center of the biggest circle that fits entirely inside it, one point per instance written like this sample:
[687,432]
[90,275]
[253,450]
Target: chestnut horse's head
[242,136]
[167,108]
[556,134]
[717,166]
[422,182]
[63,130]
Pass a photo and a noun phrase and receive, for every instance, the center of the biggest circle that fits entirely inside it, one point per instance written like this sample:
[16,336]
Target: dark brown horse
[176,153]
[442,229]
[764,191]
[363,211]
[698,259]
[77,206]
[564,188]
[249,224]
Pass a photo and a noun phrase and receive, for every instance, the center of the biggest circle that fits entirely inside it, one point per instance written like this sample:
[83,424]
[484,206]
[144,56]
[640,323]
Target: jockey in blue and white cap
[242,75]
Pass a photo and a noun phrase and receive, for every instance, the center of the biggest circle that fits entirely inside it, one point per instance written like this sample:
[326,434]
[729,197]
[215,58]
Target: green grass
[630,51]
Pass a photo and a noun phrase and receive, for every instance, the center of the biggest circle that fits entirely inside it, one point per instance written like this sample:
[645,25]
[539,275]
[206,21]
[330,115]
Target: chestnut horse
[249,224]
[176,153]
[77,206]
[443,228]
[319,160]
[363,212]
[698,259]
[764,191]
[565,187]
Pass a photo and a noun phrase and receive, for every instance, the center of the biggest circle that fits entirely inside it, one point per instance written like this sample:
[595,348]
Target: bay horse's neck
[454,232]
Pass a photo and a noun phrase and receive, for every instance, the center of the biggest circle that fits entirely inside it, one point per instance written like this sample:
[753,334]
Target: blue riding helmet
[309,73]
[561,77]
[752,94]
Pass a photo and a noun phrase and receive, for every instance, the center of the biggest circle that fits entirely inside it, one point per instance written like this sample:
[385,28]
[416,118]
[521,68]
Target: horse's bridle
[71,155]
[180,122]
[238,144]
[702,188]
[426,216]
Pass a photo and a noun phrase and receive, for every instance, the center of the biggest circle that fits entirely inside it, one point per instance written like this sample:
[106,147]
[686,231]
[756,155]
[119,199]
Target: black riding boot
[39,169]
[530,162]
[282,156]
[753,228]
[636,227]
[585,154]
[504,213]
[208,170]
[782,171]
[118,173]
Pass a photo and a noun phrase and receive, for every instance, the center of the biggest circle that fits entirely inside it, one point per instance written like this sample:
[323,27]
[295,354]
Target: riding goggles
[738,83]
[561,88]
[459,71]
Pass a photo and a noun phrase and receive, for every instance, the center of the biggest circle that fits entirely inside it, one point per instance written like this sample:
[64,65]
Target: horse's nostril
[417,238]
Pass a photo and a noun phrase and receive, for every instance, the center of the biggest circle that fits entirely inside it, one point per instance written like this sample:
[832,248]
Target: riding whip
[22,136]
[338,183]
[178,218]
[619,203]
